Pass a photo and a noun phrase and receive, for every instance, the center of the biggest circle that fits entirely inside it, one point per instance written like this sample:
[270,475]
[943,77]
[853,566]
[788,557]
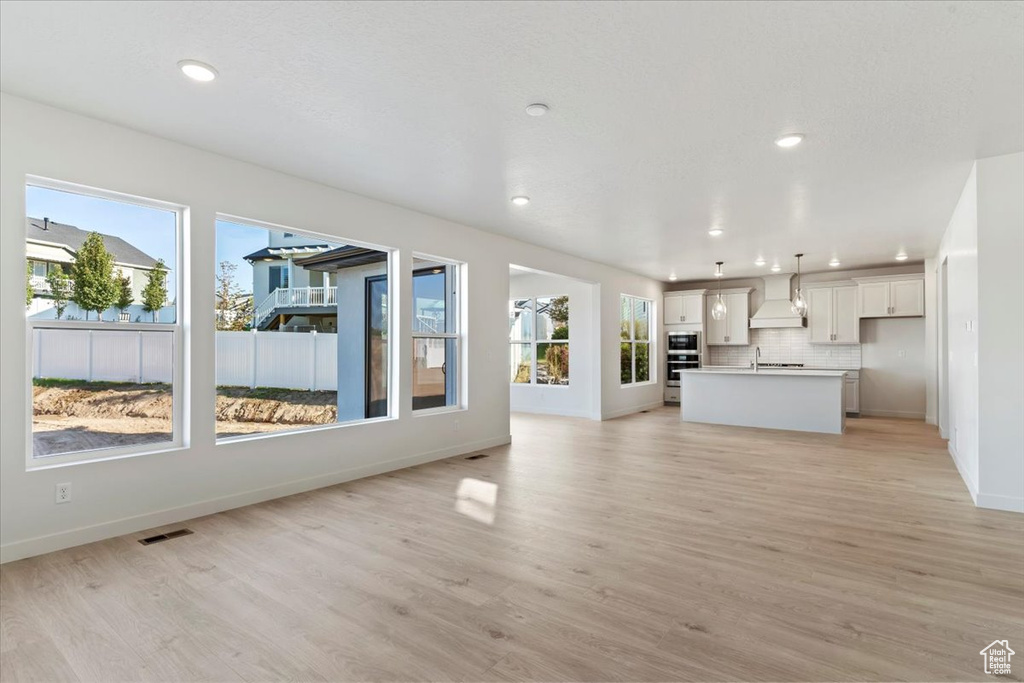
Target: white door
[907,297]
[716,329]
[874,299]
[819,314]
[693,308]
[738,329]
[845,323]
[673,309]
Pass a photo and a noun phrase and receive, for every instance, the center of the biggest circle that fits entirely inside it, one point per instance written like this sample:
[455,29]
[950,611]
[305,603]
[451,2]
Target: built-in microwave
[683,342]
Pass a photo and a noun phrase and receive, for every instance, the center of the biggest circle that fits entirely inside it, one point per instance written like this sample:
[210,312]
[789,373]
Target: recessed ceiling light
[776,268]
[521,200]
[715,232]
[834,263]
[197,71]
[790,140]
[672,277]
[537,109]
[902,256]
[759,262]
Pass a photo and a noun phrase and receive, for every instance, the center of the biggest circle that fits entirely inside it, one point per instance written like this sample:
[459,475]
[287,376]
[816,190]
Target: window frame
[394,351]
[180,329]
[534,341]
[455,317]
[633,341]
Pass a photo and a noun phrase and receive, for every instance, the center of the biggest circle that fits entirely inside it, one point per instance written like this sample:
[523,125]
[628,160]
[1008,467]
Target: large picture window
[539,340]
[635,346]
[436,334]
[102,282]
[302,330]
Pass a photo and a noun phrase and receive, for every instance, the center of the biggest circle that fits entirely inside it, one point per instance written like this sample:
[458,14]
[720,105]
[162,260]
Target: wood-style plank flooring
[638,549]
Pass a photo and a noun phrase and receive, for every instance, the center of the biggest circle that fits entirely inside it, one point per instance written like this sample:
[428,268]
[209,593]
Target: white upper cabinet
[906,297]
[890,297]
[684,307]
[734,330]
[693,307]
[832,315]
[673,309]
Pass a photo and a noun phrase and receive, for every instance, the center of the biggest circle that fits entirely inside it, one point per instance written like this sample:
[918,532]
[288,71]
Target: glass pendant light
[718,309]
[799,306]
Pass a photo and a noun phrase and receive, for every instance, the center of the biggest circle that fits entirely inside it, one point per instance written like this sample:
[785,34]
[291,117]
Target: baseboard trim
[40,545]
[635,409]
[972,486]
[992,501]
[893,413]
[541,410]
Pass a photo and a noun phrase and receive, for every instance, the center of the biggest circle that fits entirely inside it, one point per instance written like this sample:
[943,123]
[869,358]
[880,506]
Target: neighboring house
[238,310]
[48,244]
[295,282]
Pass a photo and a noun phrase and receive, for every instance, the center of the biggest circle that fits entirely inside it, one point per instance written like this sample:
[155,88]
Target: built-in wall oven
[683,354]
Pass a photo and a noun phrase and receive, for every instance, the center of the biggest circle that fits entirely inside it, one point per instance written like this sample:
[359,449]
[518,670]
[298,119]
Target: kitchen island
[799,400]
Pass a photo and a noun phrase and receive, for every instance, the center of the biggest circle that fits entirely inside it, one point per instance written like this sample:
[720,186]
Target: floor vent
[477,456]
[645,411]
[165,537]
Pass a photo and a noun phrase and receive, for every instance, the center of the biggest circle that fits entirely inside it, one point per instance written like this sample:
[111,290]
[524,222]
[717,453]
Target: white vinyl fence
[249,359]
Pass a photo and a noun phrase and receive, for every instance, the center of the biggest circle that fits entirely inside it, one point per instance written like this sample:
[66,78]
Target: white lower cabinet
[853,392]
[671,394]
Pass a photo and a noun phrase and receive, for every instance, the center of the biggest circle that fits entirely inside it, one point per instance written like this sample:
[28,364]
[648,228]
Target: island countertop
[796,372]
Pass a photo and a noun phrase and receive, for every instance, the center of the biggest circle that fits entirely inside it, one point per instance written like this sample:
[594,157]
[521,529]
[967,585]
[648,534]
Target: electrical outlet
[62,493]
[901,353]
[456,425]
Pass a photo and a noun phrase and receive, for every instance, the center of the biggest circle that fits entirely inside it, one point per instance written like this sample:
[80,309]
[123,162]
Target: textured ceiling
[661,123]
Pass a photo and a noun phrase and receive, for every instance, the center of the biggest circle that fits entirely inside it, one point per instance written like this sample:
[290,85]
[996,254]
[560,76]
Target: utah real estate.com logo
[997,657]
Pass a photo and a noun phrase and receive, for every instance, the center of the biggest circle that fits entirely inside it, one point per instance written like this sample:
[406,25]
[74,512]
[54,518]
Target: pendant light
[718,309]
[799,302]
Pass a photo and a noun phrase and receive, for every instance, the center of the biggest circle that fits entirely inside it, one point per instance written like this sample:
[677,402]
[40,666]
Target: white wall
[119,496]
[576,399]
[982,249]
[894,375]
[1001,331]
[959,248]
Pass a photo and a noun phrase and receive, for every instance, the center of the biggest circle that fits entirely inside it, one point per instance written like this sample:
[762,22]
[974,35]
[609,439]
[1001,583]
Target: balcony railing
[289,297]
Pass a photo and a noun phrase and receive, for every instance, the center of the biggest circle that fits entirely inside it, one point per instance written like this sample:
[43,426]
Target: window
[435,334]
[635,347]
[302,335]
[539,341]
[104,272]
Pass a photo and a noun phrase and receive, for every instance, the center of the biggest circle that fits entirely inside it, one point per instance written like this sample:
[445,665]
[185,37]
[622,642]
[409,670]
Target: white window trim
[394,352]
[180,394]
[458,295]
[650,341]
[532,343]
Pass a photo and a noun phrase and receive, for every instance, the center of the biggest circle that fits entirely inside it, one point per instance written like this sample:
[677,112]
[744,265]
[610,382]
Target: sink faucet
[757,357]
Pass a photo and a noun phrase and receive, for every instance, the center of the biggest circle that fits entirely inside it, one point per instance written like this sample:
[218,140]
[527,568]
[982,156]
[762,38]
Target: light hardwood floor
[635,549]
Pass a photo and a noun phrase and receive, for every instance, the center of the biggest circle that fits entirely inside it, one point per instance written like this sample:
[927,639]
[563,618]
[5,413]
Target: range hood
[777,309]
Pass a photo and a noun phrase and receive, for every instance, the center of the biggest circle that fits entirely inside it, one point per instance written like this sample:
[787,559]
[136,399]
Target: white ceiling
[661,124]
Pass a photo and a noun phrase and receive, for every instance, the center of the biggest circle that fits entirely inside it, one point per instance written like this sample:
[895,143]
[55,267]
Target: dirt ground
[83,416]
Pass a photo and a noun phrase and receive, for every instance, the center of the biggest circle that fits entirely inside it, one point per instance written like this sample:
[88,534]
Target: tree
[234,311]
[92,275]
[154,294]
[60,289]
[28,284]
[124,293]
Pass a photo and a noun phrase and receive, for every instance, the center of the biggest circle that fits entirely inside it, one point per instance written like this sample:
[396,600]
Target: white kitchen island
[799,400]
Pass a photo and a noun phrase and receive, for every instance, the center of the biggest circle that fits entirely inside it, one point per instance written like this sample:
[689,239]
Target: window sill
[52,462]
[650,383]
[427,412]
[224,441]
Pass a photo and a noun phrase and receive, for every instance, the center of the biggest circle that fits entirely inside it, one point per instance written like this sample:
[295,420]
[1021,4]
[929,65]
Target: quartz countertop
[769,372]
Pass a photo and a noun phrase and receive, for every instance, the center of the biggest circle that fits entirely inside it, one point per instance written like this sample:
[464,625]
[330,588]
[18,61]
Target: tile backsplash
[787,345]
